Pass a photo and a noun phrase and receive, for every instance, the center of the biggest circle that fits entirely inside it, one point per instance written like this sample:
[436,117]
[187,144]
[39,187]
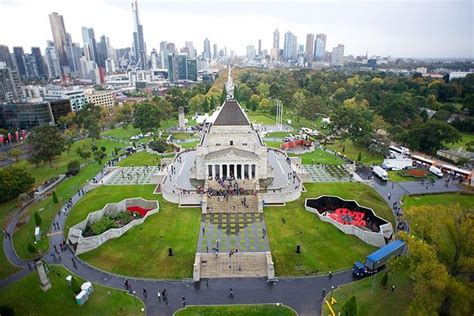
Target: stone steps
[232,204]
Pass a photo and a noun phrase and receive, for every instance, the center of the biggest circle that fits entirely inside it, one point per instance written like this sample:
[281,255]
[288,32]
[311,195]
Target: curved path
[302,294]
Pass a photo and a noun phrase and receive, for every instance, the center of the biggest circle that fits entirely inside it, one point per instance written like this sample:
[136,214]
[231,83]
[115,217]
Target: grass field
[352,152]
[261,118]
[277,135]
[26,298]
[140,159]
[465,201]
[227,310]
[378,301]
[272,144]
[466,138]
[182,135]
[189,144]
[323,246]
[122,133]
[319,156]
[143,250]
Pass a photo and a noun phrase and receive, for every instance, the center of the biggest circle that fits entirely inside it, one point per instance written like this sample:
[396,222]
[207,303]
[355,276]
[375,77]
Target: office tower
[10,85]
[36,52]
[19,59]
[154,60]
[6,57]
[171,47]
[320,47]
[191,50]
[30,65]
[276,39]
[290,47]
[52,61]
[139,46]
[337,56]
[71,57]
[192,69]
[90,45]
[182,66]
[102,50]
[172,68]
[260,48]
[309,47]
[59,37]
[109,66]
[251,52]
[214,51]
[163,45]
[207,49]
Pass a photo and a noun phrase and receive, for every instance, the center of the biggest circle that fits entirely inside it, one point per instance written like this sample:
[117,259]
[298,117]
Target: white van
[380,172]
[436,171]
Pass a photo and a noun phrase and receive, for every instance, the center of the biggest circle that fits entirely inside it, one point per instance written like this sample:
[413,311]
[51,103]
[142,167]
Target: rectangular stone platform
[242,264]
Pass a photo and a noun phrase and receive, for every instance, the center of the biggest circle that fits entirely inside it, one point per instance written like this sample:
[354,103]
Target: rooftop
[231,114]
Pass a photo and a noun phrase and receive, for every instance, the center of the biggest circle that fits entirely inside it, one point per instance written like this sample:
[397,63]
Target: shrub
[55,198]
[73,167]
[350,307]
[158,145]
[384,281]
[14,180]
[103,148]
[101,226]
[37,219]
[359,157]
[6,310]
[31,248]
[75,286]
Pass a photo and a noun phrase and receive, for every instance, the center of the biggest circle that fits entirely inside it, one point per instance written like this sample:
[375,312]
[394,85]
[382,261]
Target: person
[184,301]
[393,287]
[324,292]
[144,293]
[159,296]
[231,294]
[330,275]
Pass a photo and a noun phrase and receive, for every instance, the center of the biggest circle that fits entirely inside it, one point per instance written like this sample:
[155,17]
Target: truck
[380,172]
[397,164]
[378,259]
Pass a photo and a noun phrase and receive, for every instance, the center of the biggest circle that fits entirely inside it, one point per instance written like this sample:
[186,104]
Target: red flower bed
[417,173]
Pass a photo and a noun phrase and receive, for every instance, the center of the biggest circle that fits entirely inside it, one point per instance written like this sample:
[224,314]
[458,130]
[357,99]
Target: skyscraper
[290,47]
[52,61]
[6,57]
[102,50]
[31,67]
[320,47]
[10,85]
[214,51]
[191,51]
[36,52]
[154,60]
[207,49]
[90,45]
[59,37]
[310,47]
[260,48]
[19,56]
[139,46]
[276,39]
[337,56]
[251,52]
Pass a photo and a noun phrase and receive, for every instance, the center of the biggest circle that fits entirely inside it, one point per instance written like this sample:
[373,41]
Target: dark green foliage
[31,248]
[6,310]
[73,167]
[89,118]
[147,116]
[384,281]
[14,180]
[103,148]
[38,219]
[161,146]
[75,286]
[55,198]
[47,143]
[430,136]
[223,95]
[350,307]
[359,157]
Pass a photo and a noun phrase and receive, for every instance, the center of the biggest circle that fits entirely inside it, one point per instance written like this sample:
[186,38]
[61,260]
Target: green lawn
[319,156]
[466,138]
[464,200]
[122,133]
[227,310]
[277,135]
[372,299]
[272,144]
[143,250]
[140,159]
[352,152]
[181,135]
[7,269]
[261,118]
[324,247]
[188,144]
[395,176]
[26,298]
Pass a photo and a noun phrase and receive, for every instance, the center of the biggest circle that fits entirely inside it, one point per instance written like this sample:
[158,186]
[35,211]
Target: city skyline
[418,25]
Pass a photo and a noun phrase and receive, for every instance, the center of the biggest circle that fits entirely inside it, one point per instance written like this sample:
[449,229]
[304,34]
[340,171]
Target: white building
[77,98]
[337,56]
[251,52]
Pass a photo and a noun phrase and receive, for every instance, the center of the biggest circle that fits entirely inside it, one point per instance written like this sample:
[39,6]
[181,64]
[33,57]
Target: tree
[73,167]
[253,103]
[430,136]
[359,157]
[37,219]
[15,153]
[47,143]
[236,93]
[264,104]
[124,114]
[75,286]
[196,102]
[146,117]
[263,90]
[14,180]
[244,92]
[55,198]
[350,307]
[31,248]
[223,94]
[89,118]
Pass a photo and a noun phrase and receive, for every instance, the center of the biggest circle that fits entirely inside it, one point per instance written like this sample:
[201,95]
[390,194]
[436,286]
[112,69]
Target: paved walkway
[327,173]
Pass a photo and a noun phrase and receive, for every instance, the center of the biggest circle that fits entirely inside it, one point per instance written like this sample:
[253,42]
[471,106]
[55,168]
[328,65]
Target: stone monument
[181,122]
[44,280]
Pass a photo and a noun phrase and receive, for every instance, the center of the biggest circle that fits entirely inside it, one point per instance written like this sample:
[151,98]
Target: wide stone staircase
[219,204]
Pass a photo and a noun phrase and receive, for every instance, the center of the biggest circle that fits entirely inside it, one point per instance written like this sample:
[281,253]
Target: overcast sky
[400,28]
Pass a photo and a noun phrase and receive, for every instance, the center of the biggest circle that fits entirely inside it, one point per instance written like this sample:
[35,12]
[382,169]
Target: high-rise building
[181,68]
[154,60]
[207,49]
[52,61]
[320,47]
[259,48]
[31,67]
[102,50]
[6,57]
[171,47]
[172,68]
[191,65]
[139,46]
[290,47]
[251,53]
[191,50]
[10,85]
[337,56]
[19,59]
[276,39]
[59,37]
[214,51]
[309,47]
[90,45]
[36,52]
[71,51]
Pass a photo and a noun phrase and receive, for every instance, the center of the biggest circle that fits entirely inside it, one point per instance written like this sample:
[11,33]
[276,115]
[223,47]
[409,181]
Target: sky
[399,28]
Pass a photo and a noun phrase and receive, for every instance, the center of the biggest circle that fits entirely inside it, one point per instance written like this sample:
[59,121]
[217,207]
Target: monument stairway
[219,204]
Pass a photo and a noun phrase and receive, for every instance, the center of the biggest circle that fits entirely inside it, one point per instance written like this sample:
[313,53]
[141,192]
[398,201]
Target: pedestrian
[165,299]
[203,230]
[159,296]
[163,293]
[184,301]
[324,292]
[330,275]
[144,293]
[207,282]
[389,195]
[393,287]
[29,265]
[231,294]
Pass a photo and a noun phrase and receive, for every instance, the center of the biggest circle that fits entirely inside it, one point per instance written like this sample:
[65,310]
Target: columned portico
[240,171]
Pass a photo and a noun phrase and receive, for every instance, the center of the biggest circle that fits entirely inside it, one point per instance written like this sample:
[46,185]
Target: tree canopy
[47,143]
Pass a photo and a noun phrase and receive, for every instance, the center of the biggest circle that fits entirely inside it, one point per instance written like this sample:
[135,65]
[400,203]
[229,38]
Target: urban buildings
[90,45]
[337,56]
[52,61]
[10,85]
[60,40]
[139,46]
[77,98]
[251,53]
[181,68]
[39,61]
[25,115]
[290,47]
[207,49]
[104,98]
[19,60]
[309,47]
[5,56]
[320,47]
